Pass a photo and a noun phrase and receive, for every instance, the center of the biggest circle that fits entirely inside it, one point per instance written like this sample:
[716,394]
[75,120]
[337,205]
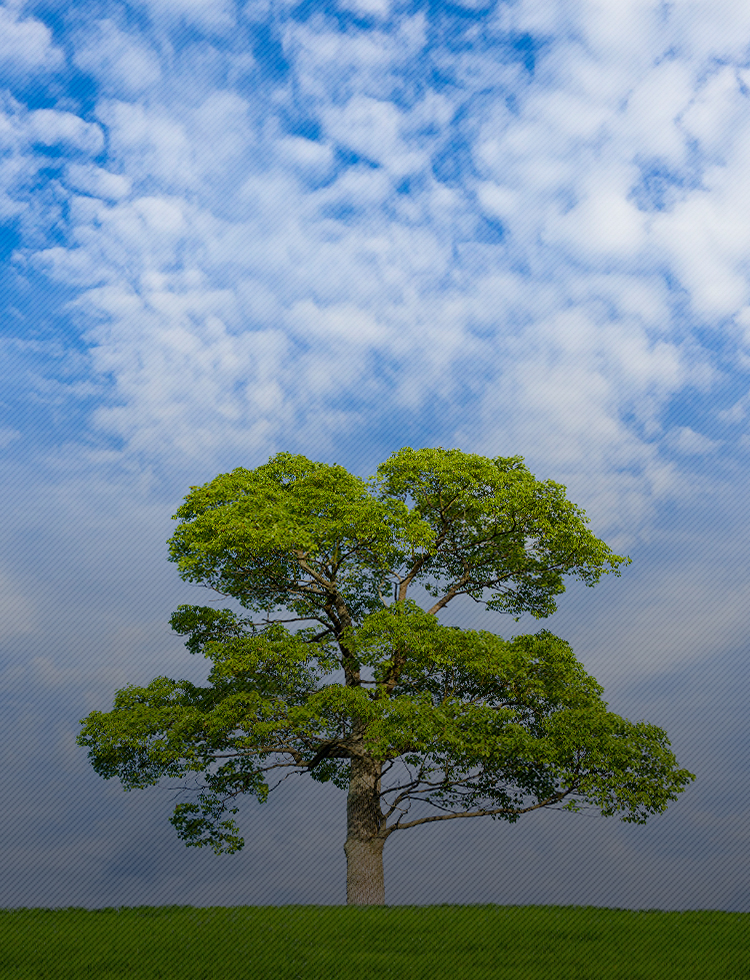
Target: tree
[418,721]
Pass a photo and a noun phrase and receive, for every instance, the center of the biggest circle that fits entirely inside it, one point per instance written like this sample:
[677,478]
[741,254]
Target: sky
[229,229]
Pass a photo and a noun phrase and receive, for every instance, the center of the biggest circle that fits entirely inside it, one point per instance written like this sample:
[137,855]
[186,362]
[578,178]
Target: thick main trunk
[365,884]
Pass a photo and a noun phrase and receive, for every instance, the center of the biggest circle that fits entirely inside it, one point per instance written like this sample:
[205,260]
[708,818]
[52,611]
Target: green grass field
[468,942]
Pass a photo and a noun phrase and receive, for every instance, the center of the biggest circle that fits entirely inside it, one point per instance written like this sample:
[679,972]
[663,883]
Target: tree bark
[365,884]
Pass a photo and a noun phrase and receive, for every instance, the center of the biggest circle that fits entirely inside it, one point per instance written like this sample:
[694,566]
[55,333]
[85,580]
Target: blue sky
[229,229]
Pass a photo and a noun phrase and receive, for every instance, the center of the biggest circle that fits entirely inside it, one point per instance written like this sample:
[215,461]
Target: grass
[468,942]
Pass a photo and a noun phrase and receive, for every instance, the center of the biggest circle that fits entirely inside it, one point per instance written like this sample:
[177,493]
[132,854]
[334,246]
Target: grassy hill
[466,942]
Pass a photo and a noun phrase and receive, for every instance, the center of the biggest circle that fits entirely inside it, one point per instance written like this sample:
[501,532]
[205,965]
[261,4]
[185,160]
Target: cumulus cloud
[330,64]
[374,8]
[96,181]
[686,440]
[8,435]
[119,61]
[210,15]
[50,127]
[34,143]
[25,43]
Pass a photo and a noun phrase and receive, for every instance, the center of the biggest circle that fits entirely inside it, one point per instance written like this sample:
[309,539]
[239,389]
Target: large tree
[328,666]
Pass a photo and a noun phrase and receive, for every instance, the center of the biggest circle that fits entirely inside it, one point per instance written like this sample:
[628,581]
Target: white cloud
[602,226]
[119,62]
[329,63]
[147,142]
[20,130]
[713,32]
[50,127]
[26,43]
[8,435]
[97,181]
[738,412]
[651,122]
[686,440]
[371,128]
[714,117]
[568,384]
[706,238]
[368,8]
[34,142]
[498,201]
[210,15]
[611,29]
[308,156]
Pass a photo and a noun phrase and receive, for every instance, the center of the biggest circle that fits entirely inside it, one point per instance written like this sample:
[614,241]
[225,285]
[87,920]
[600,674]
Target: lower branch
[479,813]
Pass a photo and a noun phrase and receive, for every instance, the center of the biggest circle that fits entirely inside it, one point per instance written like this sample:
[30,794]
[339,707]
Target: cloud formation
[535,208]
[25,43]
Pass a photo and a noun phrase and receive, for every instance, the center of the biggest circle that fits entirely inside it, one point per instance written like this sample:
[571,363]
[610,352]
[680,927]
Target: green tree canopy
[418,721]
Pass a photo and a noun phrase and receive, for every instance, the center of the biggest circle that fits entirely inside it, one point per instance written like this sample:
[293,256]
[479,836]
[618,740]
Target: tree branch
[450,594]
[478,813]
[334,749]
[404,583]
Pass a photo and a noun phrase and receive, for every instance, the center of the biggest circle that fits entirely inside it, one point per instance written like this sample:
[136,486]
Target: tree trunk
[365,884]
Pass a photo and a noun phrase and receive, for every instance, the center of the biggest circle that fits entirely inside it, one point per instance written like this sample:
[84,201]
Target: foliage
[460,722]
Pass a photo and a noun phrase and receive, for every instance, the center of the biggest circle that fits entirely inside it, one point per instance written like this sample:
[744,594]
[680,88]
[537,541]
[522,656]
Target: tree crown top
[311,536]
